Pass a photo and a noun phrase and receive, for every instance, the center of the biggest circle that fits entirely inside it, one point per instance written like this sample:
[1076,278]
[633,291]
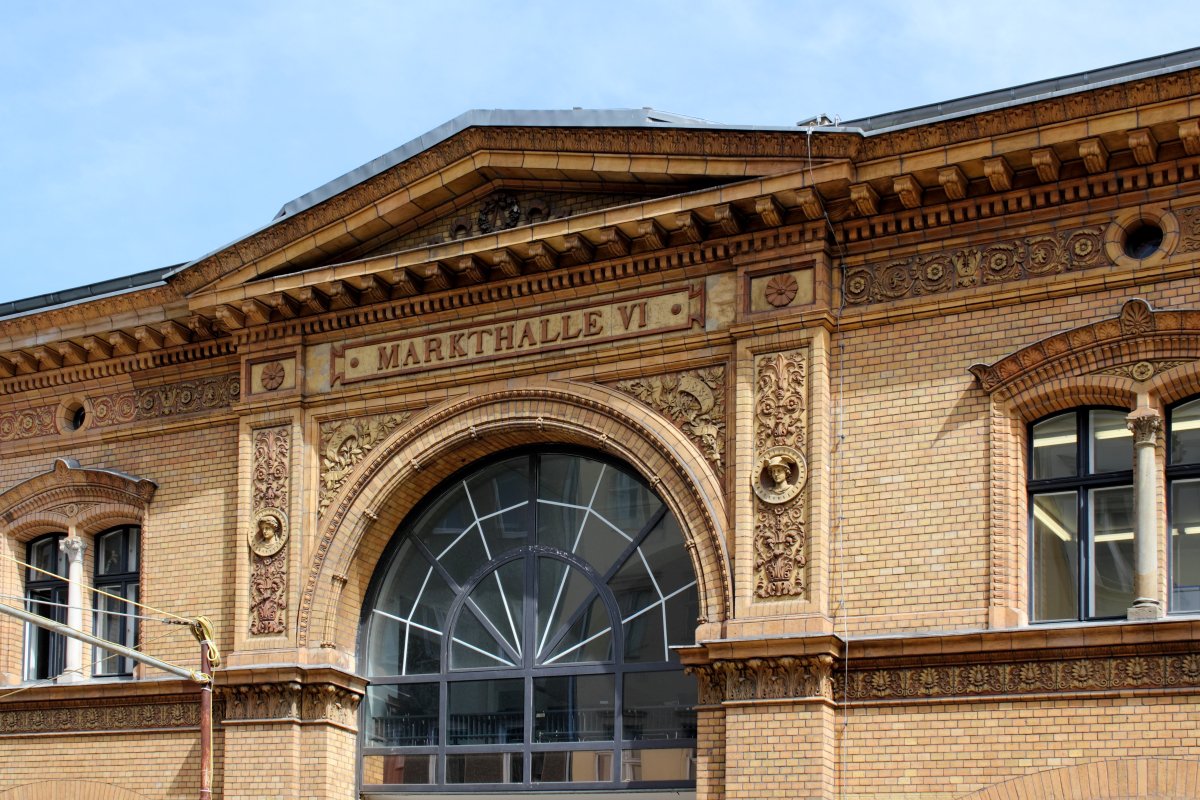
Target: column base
[70,677]
[1144,608]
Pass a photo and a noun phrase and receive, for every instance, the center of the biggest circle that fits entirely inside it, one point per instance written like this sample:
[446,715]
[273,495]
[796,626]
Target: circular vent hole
[1143,240]
[76,416]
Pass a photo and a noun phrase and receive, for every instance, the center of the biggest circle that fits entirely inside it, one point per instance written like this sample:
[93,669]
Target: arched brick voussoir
[440,440]
[69,790]
[1111,779]
[71,494]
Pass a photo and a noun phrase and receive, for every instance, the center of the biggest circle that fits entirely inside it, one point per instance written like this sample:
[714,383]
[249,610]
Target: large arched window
[519,631]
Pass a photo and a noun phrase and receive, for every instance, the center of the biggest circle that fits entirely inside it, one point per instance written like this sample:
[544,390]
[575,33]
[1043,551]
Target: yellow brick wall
[912,475]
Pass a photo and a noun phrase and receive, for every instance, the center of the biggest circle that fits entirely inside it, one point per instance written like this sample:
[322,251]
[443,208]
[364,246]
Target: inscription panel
[573,326]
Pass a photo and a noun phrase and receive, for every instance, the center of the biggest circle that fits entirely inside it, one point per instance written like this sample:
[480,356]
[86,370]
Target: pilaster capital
[74,548]
[1145,424]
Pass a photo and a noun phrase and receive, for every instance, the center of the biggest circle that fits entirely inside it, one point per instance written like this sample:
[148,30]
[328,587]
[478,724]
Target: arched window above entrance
[519,632]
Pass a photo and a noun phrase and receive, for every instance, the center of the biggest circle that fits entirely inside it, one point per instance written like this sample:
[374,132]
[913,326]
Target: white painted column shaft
[1145,424]
[74,547]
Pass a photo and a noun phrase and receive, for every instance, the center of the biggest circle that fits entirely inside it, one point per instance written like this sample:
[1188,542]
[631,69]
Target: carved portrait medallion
[269,533]
[780,474]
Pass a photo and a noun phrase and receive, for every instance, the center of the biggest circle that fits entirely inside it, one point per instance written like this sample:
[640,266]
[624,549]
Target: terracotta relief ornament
[269,531]
[780,476]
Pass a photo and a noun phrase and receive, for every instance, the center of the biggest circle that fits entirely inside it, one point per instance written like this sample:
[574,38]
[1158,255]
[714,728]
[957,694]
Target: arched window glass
[519,632]
[1081,516]
[46,596]
[1183,497]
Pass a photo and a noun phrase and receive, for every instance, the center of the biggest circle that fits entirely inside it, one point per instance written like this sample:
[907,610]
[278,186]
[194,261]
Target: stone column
[1145,424]
[74,547]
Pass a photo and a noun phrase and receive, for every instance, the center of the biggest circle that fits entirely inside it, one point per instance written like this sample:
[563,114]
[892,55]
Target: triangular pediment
[442,193]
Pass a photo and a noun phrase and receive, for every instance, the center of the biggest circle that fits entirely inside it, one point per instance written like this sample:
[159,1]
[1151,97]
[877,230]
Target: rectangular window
[1183,506]
[1081,516]
[116,619]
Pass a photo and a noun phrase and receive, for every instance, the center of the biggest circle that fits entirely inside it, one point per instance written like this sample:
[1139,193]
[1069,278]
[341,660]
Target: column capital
[74,548]
[1145,423]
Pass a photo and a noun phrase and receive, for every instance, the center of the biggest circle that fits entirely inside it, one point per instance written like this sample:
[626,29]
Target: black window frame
[1082,483]
[1173,473]
[51,660]
[117,583]
[527,749]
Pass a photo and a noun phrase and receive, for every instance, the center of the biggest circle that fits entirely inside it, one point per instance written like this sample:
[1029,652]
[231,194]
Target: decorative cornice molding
[291,701]
[769,678]
[68,491]
[1138,335]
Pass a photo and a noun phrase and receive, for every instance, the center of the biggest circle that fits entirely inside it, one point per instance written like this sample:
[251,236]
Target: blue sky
[134,135]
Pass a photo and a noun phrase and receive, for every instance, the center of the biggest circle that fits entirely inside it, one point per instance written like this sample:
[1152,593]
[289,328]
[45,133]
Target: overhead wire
[81,670]
[837,477]
[177,618]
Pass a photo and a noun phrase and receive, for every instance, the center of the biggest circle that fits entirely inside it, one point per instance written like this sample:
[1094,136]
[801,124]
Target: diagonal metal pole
[73,633]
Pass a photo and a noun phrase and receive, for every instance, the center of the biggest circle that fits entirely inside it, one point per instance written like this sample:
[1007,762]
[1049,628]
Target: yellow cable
[98,591]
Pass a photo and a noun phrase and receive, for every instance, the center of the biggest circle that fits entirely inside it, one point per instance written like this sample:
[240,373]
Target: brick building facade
[619,450]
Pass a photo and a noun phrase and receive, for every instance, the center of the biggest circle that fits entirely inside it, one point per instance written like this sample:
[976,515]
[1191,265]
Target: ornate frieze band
[346,442]
[1001,262]
[1189,229]
[28,423]
[183,397]
[1114,672]
[779,475]
[82,717]
[693,400]
[776,678]
[291,701]
[269,530]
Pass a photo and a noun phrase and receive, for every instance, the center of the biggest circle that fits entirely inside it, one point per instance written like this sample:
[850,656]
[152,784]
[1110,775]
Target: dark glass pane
[483,768]
[113,621]
[131,552]
[1055,556]
[659,705]
[45,554]
[486,712]
[444,528]
[1185,433]
[1185,545]
[568,479]
[574,708]
[1112,551]
[625,501]
[642,613]
[404,715]
[560,526]
[1112,442]
[601,544]
[499,486]
[506,531]
[664,552]
[110,553]
[683,609]
[410,613]
[474,647]
[668,764]
[578,766]
[589,638]
[561,591]
[46,649]
[500,596]
[399,769]
[1055,448]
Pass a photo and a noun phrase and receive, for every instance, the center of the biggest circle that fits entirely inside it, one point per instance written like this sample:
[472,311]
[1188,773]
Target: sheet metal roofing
[639,118]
